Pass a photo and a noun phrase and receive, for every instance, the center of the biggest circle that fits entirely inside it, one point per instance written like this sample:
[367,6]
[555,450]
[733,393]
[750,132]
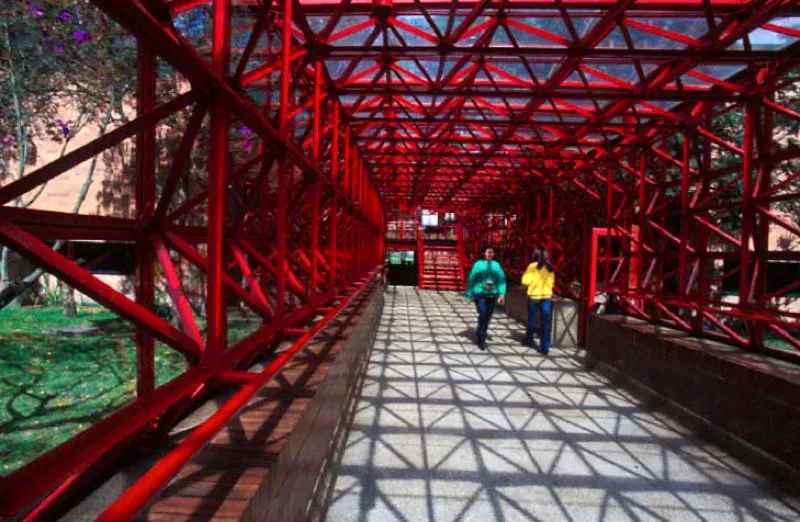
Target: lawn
[53,386]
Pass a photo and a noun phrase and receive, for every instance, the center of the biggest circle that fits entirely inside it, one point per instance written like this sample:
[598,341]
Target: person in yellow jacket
[539,279]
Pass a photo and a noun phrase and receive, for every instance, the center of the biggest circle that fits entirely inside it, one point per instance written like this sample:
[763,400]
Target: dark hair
[541,258]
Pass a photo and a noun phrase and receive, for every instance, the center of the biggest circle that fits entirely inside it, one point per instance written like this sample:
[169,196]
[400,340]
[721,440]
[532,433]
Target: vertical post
[361,206]
[217,160]
[550,220]
[315,190]
[588,282]
[333,246]
[701,236]
[348,168]
[758,289]
[685,216]
[607,272]
[748,212]
[642,199]
[285,166]
[145,199]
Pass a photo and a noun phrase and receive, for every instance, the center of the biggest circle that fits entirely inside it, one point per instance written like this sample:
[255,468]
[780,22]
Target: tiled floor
[444,432]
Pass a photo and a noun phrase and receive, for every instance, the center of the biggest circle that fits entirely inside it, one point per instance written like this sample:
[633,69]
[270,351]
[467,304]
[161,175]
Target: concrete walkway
[444,432]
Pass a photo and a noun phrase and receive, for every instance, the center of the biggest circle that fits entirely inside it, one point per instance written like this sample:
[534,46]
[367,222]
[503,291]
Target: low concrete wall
[565,315]
[747,403]
[298,484]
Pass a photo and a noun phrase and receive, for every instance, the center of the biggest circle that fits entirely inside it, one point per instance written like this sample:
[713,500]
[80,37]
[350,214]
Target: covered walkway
[445,432]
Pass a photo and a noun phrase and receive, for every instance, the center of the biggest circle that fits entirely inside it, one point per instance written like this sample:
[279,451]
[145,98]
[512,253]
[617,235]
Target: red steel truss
[534,121]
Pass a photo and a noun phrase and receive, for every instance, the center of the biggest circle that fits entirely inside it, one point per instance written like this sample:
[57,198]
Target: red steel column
[700,237]
[758,289]
[748,211]
[217,165]
[285,166]
[550,221]
[315,190]
[145,201]
[607,273]
[345,223]
[685,215]
[642,203]
[334,211]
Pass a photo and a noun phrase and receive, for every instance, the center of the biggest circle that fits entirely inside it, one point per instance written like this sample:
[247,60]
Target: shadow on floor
[444,432]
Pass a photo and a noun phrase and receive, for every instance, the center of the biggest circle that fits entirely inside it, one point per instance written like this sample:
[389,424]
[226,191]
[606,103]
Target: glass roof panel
[687,27]
[526,39]
[664,104]
[447,66]
[738,45]
[317,23]
[552,24]
[584,22]
[412,67]
[719,71]
[614,40]
[357,38]
[336,68]
[420,23]
[472,38]
[431,67]
[792,22]
[391,39]
[622,71]
[761,39]
[648,68]
[543,70]
[644,40]
[691,27]
[500,38]
[515,68]
[692,81]
[574,77]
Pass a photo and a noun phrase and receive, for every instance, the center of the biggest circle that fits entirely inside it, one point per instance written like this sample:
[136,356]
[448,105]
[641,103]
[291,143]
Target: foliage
[54,385]
[57,55]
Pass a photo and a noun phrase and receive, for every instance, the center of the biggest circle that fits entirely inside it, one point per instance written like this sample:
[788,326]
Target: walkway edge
[296,488]
[779,472]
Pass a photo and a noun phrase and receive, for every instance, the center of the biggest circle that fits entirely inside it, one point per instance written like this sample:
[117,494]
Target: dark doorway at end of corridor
[403,270]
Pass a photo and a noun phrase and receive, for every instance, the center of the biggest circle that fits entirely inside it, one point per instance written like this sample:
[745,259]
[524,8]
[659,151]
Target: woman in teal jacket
[487,285]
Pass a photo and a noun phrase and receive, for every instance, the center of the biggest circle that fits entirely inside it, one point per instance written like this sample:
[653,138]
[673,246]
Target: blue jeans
[540,312]
[485,305]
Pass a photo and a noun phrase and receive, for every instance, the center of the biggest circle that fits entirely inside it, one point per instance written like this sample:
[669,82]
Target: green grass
[54,386]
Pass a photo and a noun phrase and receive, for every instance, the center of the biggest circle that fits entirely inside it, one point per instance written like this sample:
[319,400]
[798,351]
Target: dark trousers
[485,305]
[540,313]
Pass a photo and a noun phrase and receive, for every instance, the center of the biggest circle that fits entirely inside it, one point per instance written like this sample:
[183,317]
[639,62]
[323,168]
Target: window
[430,219]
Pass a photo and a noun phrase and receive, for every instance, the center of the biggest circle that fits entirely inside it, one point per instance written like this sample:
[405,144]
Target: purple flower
[8,139]
[64,127]
[81,36]
[59,48]
[35,9]
[244,130]
[65,16]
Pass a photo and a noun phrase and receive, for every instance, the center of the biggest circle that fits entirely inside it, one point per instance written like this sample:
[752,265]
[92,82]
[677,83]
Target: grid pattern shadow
[444,432]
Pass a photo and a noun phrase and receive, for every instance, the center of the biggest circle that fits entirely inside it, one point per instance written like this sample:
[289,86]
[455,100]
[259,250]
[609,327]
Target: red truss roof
[464,102]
